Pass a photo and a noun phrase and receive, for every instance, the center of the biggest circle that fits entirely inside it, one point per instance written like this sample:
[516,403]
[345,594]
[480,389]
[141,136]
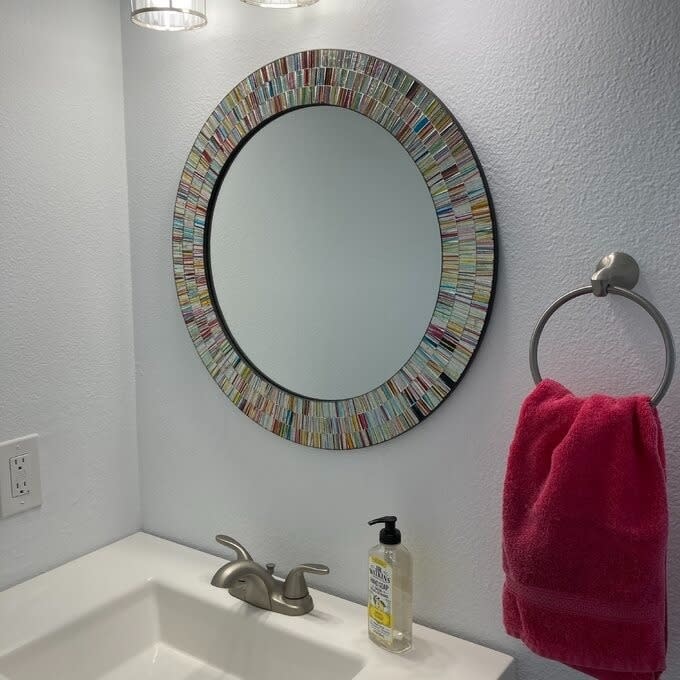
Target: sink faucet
[251,582]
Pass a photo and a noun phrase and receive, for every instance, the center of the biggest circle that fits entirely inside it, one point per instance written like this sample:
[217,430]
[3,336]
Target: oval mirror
[334,249]
[325,253]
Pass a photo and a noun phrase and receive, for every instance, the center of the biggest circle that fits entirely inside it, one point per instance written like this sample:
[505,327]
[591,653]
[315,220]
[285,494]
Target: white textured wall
[573,108]
[66,354]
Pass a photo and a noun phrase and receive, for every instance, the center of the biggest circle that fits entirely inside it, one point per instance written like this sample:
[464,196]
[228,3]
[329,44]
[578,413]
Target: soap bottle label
[380,598]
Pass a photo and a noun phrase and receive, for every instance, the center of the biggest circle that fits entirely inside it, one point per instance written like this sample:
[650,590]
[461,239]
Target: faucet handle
[229,542]
[295,586]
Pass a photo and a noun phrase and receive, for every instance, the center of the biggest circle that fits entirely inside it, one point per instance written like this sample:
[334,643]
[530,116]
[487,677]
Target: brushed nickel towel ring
[616,273]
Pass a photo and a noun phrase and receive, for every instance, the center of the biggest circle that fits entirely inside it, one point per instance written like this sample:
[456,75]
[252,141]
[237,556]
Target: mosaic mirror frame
[435,141]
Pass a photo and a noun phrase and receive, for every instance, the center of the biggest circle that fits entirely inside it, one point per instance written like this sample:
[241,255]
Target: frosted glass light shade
[169,15]
[280,4]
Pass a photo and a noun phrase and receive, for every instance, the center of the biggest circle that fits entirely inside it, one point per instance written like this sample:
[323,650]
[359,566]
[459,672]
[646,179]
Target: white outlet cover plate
[25,446]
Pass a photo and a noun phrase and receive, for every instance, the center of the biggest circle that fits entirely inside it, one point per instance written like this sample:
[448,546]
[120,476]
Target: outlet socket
[19,476]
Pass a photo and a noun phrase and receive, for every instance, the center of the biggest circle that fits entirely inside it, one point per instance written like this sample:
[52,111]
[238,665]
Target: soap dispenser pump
[390,589]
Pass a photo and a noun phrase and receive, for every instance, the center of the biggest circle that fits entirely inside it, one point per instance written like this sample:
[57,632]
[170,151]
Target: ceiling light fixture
[280,4]
[168,15]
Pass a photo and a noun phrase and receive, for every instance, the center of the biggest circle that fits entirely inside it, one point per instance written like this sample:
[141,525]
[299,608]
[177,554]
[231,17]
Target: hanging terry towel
[585,526]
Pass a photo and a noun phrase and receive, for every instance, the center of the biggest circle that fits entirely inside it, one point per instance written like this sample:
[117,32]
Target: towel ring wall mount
[616,273]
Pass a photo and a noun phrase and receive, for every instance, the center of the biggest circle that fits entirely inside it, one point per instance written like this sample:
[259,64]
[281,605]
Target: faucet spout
[250,582]
[247,580]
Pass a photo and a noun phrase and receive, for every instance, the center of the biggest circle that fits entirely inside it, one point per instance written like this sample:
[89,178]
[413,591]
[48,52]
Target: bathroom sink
[143,608]
[158,632]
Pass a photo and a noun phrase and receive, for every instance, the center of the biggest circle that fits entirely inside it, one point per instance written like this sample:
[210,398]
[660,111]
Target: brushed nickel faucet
[251,582]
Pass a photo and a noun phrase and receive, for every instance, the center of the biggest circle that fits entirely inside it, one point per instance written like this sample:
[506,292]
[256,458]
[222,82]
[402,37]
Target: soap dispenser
[390,589]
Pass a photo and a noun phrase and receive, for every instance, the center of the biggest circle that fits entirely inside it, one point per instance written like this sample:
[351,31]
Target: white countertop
[51,602]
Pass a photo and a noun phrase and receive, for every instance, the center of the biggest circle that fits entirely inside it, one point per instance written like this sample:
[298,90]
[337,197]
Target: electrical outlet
[19,475]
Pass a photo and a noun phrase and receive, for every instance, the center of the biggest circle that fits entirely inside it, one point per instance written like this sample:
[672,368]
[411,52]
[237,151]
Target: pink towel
[585,527]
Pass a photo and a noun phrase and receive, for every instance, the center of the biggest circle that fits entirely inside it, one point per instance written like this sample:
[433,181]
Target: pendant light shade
[169,15]
[280,4]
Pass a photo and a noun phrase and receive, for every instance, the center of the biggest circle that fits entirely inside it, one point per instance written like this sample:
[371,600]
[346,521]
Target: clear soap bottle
[390,589]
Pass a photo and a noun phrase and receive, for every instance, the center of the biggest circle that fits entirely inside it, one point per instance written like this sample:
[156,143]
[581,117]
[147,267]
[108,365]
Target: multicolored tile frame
[428,131]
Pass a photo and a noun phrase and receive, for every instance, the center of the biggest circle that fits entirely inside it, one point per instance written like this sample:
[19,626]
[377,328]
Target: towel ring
[616,273]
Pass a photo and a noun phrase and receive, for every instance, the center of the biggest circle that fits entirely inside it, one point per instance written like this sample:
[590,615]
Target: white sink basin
[143,608]
[159,632]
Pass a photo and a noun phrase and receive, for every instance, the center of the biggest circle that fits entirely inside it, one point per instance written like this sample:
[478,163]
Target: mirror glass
[325,252]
